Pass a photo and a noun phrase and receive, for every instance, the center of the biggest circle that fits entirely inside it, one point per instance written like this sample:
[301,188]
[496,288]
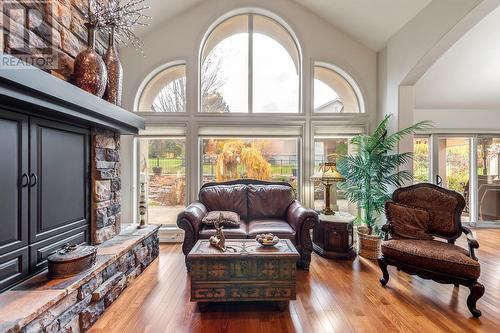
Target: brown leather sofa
[441,261]
[263,207]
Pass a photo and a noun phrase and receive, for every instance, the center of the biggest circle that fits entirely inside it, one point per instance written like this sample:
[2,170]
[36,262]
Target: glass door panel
[421,161]
[453,167]
[488,182]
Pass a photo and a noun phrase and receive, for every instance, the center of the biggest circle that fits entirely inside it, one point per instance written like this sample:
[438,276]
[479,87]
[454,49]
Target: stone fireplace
[68,144]
[106,185]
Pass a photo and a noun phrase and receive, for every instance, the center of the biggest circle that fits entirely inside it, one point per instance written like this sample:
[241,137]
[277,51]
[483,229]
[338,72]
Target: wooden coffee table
[252,273]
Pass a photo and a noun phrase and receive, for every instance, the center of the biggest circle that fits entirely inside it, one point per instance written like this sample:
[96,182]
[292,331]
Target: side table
[333,236]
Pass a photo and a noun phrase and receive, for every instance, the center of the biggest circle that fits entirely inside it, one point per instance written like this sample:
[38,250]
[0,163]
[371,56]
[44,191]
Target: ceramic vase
[89,68]
[113,93]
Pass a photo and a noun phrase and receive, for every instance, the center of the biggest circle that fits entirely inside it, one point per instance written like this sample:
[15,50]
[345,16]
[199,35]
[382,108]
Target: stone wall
[106,185]
[62,30]
[81,307]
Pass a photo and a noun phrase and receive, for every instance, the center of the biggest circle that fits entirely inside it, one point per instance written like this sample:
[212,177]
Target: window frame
[150,77]
[194,121]
[352,82]
[250,95]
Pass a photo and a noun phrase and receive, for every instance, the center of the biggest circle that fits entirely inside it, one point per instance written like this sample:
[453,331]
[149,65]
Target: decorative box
[71,260]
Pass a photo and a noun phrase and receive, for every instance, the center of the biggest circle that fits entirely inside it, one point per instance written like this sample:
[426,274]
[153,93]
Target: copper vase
[114,68]
[89,69]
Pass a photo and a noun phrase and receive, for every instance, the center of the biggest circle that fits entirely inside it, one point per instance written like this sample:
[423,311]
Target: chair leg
[476,291]
[385,274]
[304,261]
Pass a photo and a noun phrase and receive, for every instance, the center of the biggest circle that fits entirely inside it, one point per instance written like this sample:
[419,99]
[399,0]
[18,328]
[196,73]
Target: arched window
[165,92]
[250,63]
[333,93]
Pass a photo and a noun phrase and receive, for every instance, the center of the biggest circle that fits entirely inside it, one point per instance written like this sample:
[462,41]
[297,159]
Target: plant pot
[368,245]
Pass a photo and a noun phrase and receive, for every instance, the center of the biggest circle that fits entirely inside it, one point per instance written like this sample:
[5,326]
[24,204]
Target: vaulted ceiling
[371,22]
[467,76]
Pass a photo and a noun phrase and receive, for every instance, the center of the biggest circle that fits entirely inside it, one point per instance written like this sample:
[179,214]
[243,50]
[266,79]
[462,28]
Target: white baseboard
[171,235]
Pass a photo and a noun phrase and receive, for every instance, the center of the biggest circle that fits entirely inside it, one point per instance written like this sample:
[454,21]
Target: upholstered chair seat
[433,255]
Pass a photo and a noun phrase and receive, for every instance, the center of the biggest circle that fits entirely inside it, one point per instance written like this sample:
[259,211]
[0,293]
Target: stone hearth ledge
[73,304]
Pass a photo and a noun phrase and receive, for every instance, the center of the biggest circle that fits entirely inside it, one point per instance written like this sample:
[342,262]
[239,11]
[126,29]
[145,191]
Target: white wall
[460,91]
[180,39]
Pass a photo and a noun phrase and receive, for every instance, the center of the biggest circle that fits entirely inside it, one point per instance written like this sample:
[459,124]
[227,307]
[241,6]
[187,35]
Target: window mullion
[250,63]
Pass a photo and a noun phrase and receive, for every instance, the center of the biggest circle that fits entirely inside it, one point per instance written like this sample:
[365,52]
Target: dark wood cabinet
[13,181]
[44,191]
[333,236]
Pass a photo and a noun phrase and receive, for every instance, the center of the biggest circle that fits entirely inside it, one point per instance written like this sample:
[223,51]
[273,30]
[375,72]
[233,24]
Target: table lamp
[327,175]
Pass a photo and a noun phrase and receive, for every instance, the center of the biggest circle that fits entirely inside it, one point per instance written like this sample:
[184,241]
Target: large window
[328,149]
[163,171]
[274,159]
[165,92]
[333,93]
[250,63]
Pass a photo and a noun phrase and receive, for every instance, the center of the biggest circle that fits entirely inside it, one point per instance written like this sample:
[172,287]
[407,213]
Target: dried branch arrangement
[119,17]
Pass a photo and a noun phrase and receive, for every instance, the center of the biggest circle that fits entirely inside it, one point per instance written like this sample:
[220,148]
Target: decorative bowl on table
[267,239]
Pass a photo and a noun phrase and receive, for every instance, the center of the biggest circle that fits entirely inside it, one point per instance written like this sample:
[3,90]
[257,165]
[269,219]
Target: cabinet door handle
[25,180]
[33,179]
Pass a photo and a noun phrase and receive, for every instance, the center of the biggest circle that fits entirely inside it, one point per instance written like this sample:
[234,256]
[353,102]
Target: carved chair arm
[386,229]
[473,243]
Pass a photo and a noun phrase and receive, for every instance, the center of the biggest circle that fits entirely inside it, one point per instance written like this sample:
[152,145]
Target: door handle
[25,180]
[33,179]
[439,180]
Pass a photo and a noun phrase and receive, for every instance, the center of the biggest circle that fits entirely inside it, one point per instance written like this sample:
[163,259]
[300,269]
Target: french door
[451,162]
[468,164]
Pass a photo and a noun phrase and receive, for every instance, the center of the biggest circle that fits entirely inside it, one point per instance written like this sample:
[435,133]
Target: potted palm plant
[370,174]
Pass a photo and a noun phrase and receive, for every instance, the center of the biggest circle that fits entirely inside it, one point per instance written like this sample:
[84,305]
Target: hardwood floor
[334,296]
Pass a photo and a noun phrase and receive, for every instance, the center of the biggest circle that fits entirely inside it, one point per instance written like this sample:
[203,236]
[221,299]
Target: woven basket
[368,245]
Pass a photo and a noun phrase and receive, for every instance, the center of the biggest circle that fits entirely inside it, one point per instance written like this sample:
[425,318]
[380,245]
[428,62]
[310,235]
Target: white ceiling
[467,76]
[164,10]
[372,22]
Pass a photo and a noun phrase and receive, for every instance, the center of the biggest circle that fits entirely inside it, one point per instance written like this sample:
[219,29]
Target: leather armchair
[263,207]
[443,262]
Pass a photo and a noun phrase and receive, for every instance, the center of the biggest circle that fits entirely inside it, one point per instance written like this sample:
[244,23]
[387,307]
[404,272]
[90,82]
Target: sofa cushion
[433,255]
[224,218]
[407,222]
[226,197]
[278,227]
[269,201]
[230,233]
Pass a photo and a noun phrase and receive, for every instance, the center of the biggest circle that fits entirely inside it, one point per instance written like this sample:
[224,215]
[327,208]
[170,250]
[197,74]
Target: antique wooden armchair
[443,262]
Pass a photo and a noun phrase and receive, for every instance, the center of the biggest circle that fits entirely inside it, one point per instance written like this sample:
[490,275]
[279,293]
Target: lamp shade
[328,173]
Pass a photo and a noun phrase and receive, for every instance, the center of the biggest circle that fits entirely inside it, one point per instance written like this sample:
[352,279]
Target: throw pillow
[227,219]
[408,222]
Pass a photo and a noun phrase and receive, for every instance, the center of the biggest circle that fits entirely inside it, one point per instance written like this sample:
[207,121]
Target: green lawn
[175,165]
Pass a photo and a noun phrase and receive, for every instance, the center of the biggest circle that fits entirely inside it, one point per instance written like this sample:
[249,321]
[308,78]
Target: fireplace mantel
[33,89]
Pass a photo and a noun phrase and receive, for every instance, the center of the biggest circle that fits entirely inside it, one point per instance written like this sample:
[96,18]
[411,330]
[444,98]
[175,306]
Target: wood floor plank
[334,296]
